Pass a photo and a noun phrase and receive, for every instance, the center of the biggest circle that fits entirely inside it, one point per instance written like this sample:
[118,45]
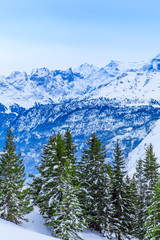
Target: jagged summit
[158,56]
[40,72]
[155,63]
[86,69]
[17,76]
[113,64]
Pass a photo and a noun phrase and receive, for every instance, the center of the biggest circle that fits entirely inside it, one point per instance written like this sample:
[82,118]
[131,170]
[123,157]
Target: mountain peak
[155,63]
[86,65]
[16,76]
[113,64]
[69,71]
[158,56]
[40,72]
[86,69]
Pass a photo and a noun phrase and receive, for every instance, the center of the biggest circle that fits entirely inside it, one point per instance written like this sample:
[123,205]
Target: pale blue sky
[65,33]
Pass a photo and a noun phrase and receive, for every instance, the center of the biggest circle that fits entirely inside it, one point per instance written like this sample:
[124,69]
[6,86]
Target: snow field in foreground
[9,231]
[35,230]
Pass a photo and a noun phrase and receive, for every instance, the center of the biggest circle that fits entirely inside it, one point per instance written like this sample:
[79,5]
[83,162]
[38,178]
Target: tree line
[75,195]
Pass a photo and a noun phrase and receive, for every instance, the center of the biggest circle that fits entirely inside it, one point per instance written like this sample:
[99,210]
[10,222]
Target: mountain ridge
[43,85]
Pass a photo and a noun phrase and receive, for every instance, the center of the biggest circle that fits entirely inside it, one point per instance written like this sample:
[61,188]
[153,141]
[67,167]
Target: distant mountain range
[116,101]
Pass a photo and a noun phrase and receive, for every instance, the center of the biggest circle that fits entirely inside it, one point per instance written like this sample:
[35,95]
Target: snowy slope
[35,230]
[131,87]
[139,152]
[9,231]
[36,223]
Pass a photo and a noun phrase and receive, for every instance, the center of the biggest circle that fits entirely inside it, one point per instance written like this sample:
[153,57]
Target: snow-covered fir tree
[95,182]
[45,176]
[14,197]
[121,221]
[35,187]
[151,174]
[71,159]
[130,205]
[68,219]
[141,210]
[153,221]
[57,198]
[134,199]
[146,178]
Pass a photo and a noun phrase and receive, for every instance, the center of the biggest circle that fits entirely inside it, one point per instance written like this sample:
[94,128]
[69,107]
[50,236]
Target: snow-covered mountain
[117,101]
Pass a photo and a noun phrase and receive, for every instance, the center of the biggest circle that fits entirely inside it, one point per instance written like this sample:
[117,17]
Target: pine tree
[130,203]
[141,211]
[47,169]
[70,147]
[118,224]
[72,167]
[95,199]
[151,174]
[68,219]
[14,199]
[146,179]
[153,220]
[57,197]
[35,187]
